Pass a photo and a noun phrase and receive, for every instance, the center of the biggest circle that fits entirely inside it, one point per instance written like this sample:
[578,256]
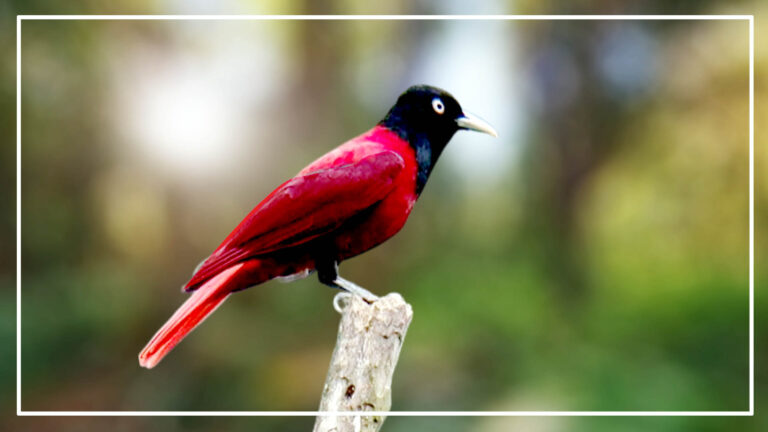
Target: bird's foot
[355,289]
[329,275]
[341,301]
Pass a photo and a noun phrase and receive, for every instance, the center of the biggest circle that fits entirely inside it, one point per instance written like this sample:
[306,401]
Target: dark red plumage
[343,204]
[375,168]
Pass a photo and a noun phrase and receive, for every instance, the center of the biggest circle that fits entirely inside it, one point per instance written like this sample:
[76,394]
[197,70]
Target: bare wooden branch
[360,376]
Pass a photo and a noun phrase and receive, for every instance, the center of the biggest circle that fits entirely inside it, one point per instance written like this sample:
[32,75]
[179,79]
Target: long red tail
[200,304]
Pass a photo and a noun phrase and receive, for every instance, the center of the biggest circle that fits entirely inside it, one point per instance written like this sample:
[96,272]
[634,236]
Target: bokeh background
[593,257]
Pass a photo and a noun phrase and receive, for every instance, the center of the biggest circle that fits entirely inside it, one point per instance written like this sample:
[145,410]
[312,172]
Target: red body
[354,197]
[344,203]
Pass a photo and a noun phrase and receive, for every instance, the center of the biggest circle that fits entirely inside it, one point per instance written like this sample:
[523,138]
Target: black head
[425,112]
[427,117]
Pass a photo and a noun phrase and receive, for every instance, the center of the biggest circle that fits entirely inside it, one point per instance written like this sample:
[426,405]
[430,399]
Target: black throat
[427,145]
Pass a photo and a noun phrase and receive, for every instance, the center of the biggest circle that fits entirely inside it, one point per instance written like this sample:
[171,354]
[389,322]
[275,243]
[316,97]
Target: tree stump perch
[360,375]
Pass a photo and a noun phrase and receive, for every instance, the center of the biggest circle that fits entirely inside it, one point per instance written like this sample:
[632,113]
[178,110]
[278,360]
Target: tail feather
[200,304]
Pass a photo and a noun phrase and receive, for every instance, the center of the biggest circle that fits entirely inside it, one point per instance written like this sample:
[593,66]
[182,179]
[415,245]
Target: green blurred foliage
[602,267]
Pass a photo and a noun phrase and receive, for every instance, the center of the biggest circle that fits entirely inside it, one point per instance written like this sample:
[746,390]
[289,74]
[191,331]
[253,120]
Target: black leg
[327,272]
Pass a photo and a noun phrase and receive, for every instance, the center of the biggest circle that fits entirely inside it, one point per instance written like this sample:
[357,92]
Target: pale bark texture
[360,376]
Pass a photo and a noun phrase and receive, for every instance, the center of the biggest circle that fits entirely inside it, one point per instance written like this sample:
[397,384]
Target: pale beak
[471,122]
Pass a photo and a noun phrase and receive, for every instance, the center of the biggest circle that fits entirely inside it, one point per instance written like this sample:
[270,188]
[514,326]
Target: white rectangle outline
[749,18]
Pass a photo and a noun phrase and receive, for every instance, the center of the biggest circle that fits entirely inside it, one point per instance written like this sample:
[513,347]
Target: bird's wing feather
[304,208]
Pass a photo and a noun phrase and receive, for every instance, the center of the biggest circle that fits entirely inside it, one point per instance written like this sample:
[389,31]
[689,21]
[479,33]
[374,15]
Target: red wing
[304,208]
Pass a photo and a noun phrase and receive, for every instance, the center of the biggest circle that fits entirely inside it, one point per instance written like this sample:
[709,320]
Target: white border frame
[749,18]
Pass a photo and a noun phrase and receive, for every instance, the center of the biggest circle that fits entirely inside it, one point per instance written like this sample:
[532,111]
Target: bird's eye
[438,106]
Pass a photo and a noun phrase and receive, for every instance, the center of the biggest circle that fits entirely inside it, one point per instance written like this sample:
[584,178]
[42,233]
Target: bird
[345,203]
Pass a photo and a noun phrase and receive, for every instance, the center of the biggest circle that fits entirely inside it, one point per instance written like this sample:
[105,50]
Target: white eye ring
[438,105]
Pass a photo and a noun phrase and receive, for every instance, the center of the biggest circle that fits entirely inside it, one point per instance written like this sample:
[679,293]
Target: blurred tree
[674,336]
